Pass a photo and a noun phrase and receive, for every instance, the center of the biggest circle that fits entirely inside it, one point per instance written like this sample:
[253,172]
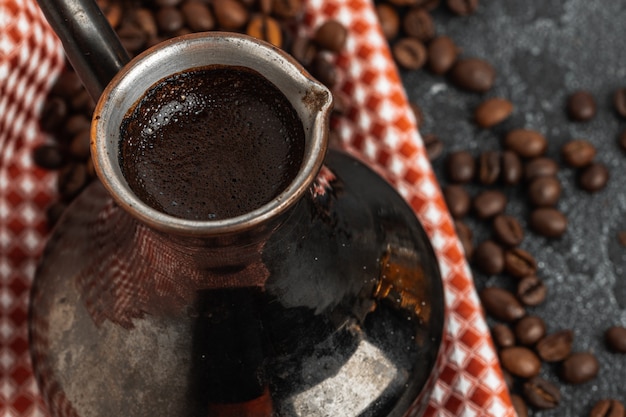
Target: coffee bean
[231,15]
[409,53]
[619,101]
[288,9]
[462,7]
[492,111]
[519,405]
[541,394]
[581,106]
[501,304]
[526,143]
[67,85]
[389,20]
[72,179]
[473,74]
[489,257]
[509,379]
[540,167]
[607,408]
[578,153]
[531,291]
[304,50]
[433,145]
[489,203]
[417,23]
[555,347]
[520,361]
[460,167]
[503,336]
[508,230]
[82,102]
[489,165]
[465,236]
[132,37]
[593,177]
[146,21]
[331,35]
[615,338]
[80,145]
[265,28]
[49,156]
[544,191]
[324,70]
[169,19]
[442,54]
[579,368]
[167,3]
[548,222]
[511,170]
[519,263]
[198,16]
[529,330]
[428,5]
[53,114]
[458,200]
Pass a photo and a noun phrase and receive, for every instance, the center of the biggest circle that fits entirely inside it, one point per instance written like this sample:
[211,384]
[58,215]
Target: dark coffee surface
[544,50]
[211,143]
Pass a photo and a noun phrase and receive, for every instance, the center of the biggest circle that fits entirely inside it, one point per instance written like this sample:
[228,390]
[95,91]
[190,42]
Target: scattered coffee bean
[288,9]
[231,15]
[72,180]
[434,146]
[489,203]
[489,166]
[619,101]
[529,330]
[621,237]
[460,167]
[526,143]
[508,230]
[389,20]
[265,28]
[509,379]
[417,23]
[53,114]
[409,53]
[578,153]
[331,35]
[492,111]
[501,304]
[607,408]
[417,113]
[541,394]
[548,222]
[80,145]
[540,167]
[503,336]
[512,169]
[579,367]
[489,257]
[615,338]
[519,263]
[531,291]
[442,54]
[198,16]
[520,361]
[593,177]
[462,7]
[458,200]
[581,106]
[555,347]
[473,74]
[465,236]
[544,191]
[519,405]
[49,156]
[169,19]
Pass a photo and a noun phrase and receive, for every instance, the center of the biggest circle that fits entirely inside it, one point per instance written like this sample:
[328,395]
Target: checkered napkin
[377,126]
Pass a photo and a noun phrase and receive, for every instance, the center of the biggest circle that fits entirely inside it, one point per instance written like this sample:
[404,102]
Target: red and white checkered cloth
[378,127]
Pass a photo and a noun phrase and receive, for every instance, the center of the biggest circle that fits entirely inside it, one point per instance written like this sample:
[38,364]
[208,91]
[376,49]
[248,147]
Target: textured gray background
[544,50]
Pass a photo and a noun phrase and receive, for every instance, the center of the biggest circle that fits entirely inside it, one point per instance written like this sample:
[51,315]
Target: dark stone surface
[544,50]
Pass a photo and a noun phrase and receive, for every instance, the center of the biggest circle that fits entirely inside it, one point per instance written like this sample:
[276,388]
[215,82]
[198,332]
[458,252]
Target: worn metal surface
[544,50]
